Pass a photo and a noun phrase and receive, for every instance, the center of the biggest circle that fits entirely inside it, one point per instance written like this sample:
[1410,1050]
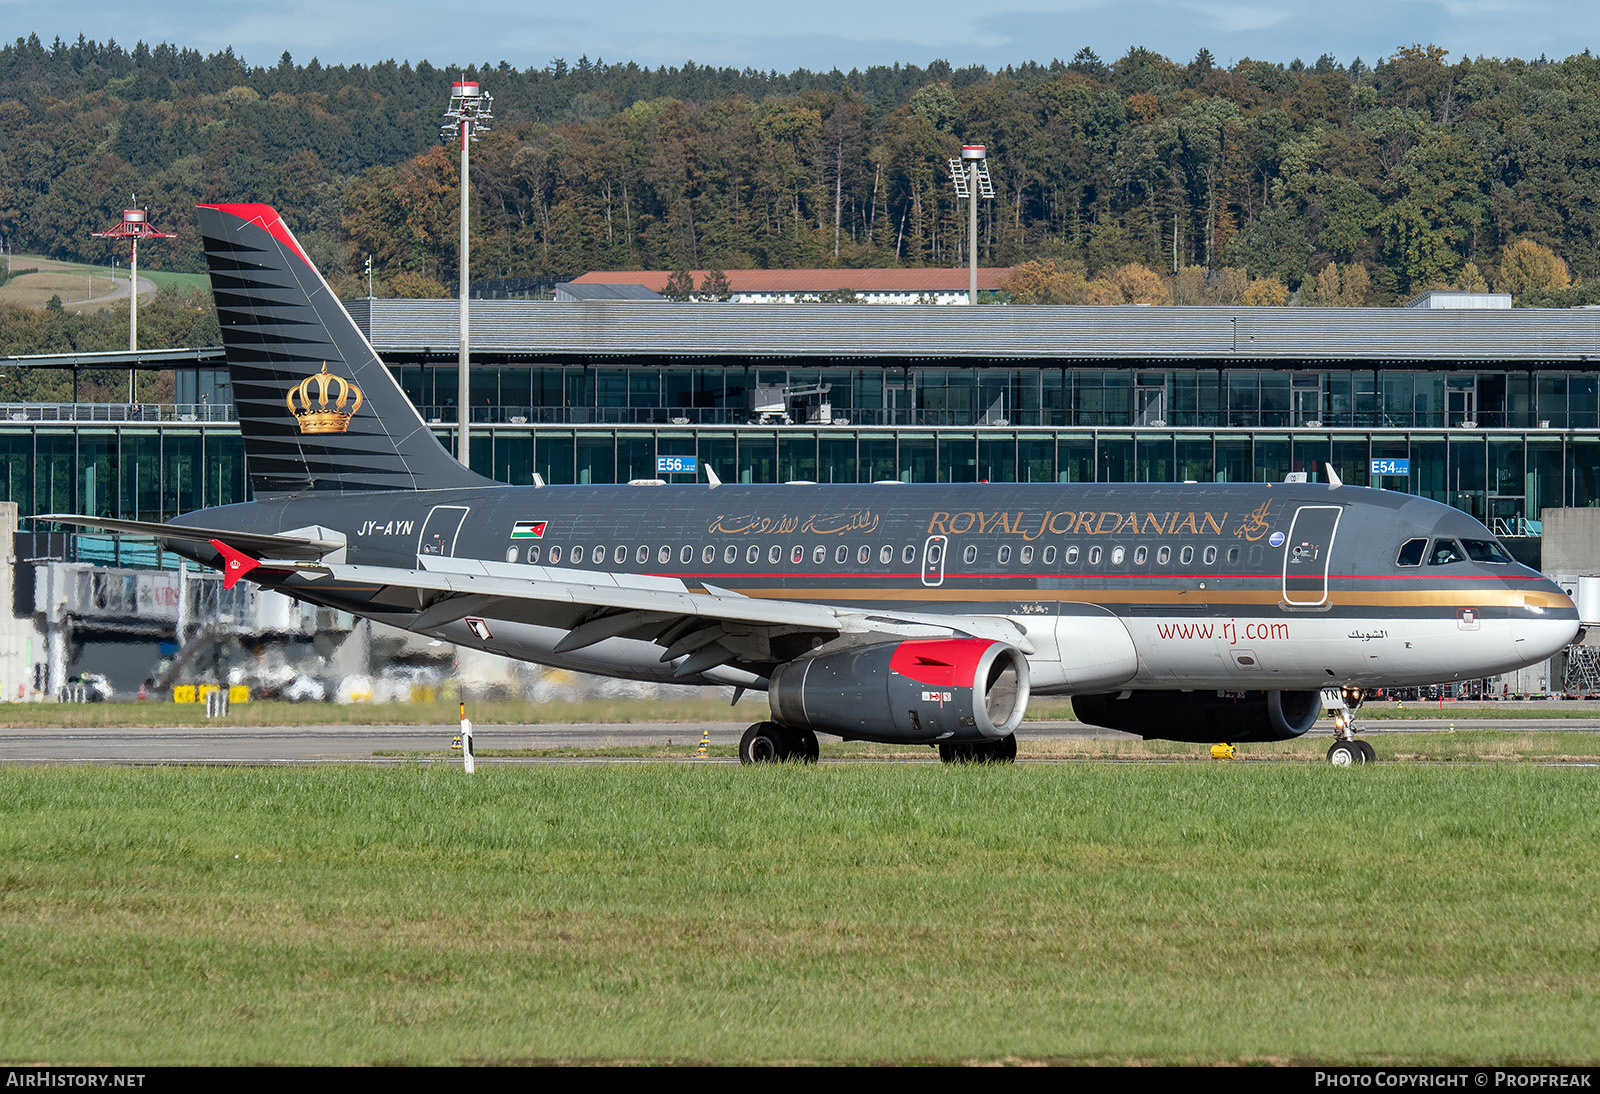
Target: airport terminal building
[1493,410]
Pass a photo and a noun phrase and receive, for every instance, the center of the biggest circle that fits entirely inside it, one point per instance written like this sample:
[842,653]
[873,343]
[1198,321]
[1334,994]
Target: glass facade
[1503,477]
[1386,397]
[135,472]
[1499,444]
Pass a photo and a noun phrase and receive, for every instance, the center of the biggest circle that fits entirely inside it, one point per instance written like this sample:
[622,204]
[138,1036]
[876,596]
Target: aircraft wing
[705,626]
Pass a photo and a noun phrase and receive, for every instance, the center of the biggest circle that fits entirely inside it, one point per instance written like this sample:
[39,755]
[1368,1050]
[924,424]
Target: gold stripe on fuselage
[1477,596]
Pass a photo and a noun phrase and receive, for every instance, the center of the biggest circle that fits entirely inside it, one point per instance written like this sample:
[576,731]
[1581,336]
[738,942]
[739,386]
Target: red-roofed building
[875,286]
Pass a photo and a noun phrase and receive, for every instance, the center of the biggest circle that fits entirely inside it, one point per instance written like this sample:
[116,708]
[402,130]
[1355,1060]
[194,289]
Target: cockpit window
[1446,551]
[1411,552]
[1487,550]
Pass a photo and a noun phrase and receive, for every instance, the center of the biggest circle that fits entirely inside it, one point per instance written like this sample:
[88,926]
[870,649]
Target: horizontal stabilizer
[260,544]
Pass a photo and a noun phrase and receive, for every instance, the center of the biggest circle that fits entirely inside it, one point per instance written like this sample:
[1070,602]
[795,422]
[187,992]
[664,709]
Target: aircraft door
[1307,553]
[439,531]
[933,552]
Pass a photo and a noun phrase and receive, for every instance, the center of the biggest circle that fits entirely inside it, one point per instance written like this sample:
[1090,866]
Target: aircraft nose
[1547,623]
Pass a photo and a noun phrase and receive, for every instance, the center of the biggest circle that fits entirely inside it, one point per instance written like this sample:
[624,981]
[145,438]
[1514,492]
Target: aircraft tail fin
[318,410]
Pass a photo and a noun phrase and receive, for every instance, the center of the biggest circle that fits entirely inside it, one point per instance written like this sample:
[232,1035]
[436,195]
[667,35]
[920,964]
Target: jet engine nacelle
[921,690]
[1204,717]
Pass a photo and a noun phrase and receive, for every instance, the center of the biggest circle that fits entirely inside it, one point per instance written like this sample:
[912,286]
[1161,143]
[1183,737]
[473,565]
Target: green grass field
[847,914]
[695,706]
[75,282]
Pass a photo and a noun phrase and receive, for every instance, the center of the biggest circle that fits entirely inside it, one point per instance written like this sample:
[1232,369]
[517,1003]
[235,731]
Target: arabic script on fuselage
[817,524]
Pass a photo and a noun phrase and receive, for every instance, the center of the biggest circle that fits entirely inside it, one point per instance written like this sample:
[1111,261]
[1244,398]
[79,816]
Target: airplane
[890,612]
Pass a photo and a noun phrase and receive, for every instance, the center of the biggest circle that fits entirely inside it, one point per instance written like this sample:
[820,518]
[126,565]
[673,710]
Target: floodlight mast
[971,176]
[469,118]
[135,226]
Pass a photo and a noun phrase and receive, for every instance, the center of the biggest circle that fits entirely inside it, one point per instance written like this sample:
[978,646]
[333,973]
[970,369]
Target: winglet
[711,476]
[235,564]
[1334,481]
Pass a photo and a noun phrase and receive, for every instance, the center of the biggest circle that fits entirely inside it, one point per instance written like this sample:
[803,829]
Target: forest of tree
[1325,182]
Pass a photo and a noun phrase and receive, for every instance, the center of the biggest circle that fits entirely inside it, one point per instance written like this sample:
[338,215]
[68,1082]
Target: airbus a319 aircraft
[925,614]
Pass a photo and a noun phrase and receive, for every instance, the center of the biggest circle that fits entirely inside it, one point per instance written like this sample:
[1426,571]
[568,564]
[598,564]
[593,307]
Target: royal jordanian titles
[925,614]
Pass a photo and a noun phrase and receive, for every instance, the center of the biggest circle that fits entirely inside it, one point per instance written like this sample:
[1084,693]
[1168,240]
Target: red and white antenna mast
[469,117]
[134,227]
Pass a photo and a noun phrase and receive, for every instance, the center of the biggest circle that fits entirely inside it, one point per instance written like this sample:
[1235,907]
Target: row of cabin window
[708,555]
[1094,556]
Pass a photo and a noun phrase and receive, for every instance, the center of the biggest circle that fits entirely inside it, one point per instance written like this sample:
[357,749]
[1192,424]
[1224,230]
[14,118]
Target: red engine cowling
[1204,717]
[921,690]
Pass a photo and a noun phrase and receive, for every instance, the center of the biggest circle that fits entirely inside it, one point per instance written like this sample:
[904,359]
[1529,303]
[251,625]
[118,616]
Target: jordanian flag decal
[529,529]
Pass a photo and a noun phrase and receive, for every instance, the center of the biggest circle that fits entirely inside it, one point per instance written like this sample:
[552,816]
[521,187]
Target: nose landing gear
[1346,751]
[1349,753]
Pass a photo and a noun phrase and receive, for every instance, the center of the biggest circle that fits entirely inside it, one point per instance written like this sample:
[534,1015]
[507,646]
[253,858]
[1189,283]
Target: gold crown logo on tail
[318,416]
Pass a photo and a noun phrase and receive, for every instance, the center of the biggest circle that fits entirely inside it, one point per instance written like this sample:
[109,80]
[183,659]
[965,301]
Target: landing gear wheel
[1003,751]
[764,743]
[1346,754]
[1368,751]
[803,746]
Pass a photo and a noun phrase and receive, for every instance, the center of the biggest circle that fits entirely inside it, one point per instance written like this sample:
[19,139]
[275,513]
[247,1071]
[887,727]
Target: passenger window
[1186,556]
[664,555]
[820,555]
[797,556]
[1140,554]
[1072,556]
[598,556]
[1027,554]
[1233,555]
[753,555]
[774,555]
[533,554]
[1117,555]
[1050,556]
[686,555]
[555,555]
[1411,552]
[1211,556]
[1163,555]
[620,555]
[709,555]
[909,555]
[970,555]
[642,555]
[511,554]
[730,554]
[1005,555]
[1094,556]
[1445,551]
[886,555]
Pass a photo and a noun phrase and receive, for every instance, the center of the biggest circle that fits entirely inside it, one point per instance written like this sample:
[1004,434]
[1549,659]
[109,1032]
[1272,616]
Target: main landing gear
[1003,751]
[1346,751]
[771,743]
